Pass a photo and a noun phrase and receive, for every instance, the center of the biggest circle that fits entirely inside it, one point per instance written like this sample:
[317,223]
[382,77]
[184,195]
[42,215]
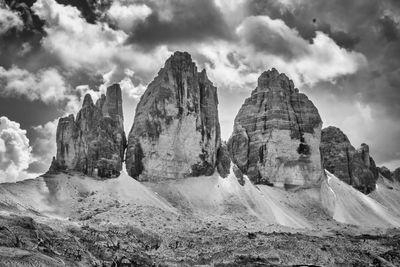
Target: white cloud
[130,89]
[14,151]
[94,48]
[271,42]
[264,43]
[129,15]
[46,85]
[77,43]
[9,20]
[44,146]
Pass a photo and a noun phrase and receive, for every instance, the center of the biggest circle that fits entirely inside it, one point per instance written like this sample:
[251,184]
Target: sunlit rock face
[176,132]
[277,134]
[353,166]
[93,143]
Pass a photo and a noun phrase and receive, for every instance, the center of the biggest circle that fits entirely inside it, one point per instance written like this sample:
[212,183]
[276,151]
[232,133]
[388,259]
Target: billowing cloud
[14,151]
[47,85]
[273,42]
[75,42]
[92,48]
[263,43]
[128,15]
[8,20]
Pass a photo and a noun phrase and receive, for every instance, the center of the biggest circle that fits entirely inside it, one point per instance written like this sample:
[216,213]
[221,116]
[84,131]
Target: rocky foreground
[75,220]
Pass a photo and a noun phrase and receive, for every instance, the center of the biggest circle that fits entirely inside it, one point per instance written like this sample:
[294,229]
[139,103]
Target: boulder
[277,134]
[176,131]
[354,166]
[93,143]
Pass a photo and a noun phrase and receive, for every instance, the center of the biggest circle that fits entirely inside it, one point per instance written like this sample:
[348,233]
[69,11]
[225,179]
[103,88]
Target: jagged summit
[94,142]
[87,101]
[176,131]
[271,79]
[277,133]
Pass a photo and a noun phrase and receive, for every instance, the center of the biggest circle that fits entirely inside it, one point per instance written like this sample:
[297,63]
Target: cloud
[389,28]
[14,151]
[78,44]
[275,43]
[43,147]
[47,85]
[309,17]
[176,21]
[130,89]
[96,49]
[263,43]
[273,37]
[129,15]
[8,20]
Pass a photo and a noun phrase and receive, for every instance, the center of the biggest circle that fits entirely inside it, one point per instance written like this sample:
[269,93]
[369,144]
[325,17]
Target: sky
[344,55]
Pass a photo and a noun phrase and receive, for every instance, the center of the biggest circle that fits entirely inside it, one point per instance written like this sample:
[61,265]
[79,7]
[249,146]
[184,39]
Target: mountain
[354,166]
[277,134]
[176,131]
[95,142]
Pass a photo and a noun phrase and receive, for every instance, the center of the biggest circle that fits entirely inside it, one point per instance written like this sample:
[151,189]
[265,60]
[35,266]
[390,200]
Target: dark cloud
[389,28]
[91,10]
[190,20]
[310,17]
[265,35]
[28,113]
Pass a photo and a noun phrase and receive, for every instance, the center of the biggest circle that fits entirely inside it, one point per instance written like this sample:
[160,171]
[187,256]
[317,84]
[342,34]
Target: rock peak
[113,102]
[271,79]
[87,101]
[179,59]
[277,134]
[176,131]
[95,142]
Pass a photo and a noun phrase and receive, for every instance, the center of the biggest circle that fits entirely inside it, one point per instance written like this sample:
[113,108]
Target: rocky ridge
[93,143]
[176,132]
[354,166]
[276,134]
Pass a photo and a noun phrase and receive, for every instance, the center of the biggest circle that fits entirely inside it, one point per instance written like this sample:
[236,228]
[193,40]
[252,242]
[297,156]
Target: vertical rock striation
[176,131]
[277,133]
[353,166]
[93,143]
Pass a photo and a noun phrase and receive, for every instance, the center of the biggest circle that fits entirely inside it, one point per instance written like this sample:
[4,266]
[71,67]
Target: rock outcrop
[176,131]
[396,175]
[95,142]
[385,172]
[276,134]
[353,166]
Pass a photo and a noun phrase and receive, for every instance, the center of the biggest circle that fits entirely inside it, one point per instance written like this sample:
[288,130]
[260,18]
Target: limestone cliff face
[353,166]
[95,142]
[176,131]
[277,134]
